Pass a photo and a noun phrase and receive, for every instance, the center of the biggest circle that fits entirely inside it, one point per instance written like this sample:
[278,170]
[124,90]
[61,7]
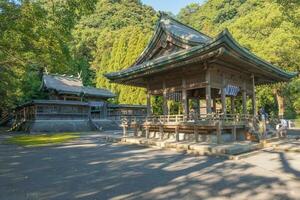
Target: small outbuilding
[70,106]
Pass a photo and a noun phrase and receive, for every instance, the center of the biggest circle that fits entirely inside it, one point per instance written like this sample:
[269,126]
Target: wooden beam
[178,88]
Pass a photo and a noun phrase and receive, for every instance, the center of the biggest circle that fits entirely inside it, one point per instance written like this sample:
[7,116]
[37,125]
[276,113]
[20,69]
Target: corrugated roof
[72,85]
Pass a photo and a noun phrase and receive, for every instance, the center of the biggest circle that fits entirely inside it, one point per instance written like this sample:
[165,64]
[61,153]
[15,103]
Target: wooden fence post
[219,132]
[177,133]
[196,133]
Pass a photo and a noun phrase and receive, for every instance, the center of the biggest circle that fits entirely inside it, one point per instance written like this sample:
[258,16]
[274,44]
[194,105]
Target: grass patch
[42,139]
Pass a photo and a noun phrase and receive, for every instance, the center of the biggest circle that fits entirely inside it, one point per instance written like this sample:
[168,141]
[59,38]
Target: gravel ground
[89,168]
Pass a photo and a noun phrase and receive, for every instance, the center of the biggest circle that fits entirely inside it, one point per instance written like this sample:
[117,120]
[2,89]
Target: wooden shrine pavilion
[183,63]
[70,106]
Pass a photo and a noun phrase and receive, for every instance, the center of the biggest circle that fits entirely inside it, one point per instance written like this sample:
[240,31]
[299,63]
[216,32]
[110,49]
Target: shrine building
[181,63]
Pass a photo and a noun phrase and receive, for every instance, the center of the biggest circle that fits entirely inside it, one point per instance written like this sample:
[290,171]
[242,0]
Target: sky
[173,6]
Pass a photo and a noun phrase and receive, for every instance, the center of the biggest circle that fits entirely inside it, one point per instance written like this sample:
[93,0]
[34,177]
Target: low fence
[192,118]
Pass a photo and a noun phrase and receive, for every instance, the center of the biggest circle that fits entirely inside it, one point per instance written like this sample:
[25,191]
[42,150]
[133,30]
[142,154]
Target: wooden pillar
[197,109]
[24,113]
[187,106]
[196,134]
[244,93]
[197,101]
[214,105]
[165,100]
[223,95]
[208,91]
[184,99]
[253,96]
[135,133]
[161,132]
[234,132]
[234,129]
[232,105]
[219,132]
[124,130]
[177,133]
[147,132]
[149,112]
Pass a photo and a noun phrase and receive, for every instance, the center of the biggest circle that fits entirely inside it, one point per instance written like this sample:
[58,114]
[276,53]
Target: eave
[223,45]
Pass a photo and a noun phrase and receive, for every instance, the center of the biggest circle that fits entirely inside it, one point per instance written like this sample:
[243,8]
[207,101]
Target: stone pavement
[92,168]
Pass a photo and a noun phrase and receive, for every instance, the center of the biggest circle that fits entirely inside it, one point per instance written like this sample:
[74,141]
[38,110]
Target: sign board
[96,104]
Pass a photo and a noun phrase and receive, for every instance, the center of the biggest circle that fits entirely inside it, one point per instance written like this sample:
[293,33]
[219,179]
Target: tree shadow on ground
[286,166]
[92,169]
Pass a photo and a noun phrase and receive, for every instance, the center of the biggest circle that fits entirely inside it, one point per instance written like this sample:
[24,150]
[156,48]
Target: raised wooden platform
[166,125]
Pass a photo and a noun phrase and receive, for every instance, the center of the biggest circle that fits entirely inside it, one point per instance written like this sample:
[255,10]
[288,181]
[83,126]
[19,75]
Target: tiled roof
[72,85]
[201,45]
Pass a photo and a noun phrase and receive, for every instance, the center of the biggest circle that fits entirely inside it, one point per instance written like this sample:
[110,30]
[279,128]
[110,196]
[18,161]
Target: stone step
[107,124]
[230,149]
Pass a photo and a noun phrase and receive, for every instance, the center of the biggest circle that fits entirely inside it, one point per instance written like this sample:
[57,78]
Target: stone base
[55,126]
[52,126]
[202,148]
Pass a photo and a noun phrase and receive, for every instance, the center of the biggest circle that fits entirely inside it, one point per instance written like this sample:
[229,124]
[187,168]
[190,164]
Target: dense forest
[93,37]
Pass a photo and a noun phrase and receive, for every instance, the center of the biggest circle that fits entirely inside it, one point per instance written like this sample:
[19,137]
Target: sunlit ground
[91,168]
[42,139]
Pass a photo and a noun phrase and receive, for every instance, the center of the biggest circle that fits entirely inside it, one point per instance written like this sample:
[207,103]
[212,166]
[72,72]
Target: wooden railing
[21,116]
[191,118]
[5,118]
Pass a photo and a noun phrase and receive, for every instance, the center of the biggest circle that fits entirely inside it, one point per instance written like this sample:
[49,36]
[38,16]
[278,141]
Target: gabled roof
[224,45]
[71,85]
[169,30]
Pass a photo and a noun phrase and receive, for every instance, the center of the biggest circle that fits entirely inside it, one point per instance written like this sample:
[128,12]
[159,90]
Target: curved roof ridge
[151,43]
[164,14]
[180,33]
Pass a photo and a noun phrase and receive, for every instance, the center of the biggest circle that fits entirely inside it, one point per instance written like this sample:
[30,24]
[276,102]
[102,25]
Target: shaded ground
[89,168]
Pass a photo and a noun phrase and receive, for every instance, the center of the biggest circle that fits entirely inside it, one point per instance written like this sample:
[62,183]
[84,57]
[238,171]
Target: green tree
[267,28]
[111,39]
